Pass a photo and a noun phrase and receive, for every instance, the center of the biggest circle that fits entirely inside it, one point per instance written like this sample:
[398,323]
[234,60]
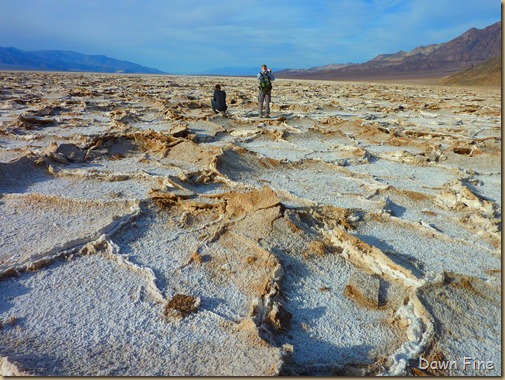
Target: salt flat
[353,233]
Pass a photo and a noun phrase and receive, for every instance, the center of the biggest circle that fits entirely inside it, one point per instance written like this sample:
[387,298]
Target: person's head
[263,67]
[218,87]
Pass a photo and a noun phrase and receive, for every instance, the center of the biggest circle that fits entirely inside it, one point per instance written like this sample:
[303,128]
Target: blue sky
[193,36]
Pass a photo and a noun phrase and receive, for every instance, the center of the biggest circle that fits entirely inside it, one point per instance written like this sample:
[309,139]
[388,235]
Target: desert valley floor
[356,232]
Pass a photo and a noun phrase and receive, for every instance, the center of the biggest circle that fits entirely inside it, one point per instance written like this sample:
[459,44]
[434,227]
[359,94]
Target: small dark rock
[181,305]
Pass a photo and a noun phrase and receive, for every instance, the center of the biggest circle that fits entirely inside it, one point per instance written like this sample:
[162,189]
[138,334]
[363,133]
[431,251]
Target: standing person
[219,100]
[265,77]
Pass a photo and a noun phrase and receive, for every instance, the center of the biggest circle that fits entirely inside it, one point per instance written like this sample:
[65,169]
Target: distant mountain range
[57,60]
[472,48]
[236,71]
[313,70]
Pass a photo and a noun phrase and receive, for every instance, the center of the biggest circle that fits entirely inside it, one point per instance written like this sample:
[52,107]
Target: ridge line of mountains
[476,48]
[62,60]
[472,58]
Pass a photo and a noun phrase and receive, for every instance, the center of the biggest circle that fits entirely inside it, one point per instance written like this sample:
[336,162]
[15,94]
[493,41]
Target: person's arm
[271,75]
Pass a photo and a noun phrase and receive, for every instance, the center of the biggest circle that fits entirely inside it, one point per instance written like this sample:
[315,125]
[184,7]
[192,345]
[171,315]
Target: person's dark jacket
[219,100]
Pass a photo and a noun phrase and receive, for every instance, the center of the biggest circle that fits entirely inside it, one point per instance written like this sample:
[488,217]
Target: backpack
[265,84]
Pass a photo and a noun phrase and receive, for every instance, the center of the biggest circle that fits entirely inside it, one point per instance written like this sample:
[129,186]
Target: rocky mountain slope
[485,74]
[57,60]
[471,48]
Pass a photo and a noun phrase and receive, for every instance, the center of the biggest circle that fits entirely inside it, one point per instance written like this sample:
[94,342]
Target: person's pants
[263,98]
[214,105]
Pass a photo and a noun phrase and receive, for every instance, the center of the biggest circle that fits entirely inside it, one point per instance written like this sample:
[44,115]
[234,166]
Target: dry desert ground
[356,232]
